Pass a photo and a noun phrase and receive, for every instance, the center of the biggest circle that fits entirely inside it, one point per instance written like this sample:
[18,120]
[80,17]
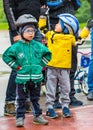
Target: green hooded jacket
[30,58]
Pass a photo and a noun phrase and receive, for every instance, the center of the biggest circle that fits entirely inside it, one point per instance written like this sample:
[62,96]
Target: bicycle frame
[80,78]
[80,81]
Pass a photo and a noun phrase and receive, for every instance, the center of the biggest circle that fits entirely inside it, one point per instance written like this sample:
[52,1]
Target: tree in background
[2,15]
[83,13]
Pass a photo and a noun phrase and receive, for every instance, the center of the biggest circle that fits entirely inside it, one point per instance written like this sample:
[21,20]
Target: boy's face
[29,33]
[58,27]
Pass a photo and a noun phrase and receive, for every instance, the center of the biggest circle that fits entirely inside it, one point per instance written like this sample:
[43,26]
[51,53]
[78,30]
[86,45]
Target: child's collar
[58,32]
[25,41]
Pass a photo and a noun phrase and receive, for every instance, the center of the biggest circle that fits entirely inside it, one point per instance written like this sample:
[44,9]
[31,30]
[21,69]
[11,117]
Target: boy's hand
[18,67]
[16,38]
[44,11]
[80,42]
[90,23]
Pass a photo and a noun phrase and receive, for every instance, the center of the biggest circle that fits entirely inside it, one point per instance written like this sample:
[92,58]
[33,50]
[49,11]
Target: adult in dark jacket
[13,9]
[67,6]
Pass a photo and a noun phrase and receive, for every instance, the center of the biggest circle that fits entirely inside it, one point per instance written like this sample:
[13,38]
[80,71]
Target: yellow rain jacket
[61,47]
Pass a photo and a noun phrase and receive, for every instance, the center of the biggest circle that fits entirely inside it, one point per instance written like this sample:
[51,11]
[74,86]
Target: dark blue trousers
[21,95]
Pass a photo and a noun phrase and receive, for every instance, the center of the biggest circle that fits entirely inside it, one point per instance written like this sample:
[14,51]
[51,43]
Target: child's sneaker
[40,120]
[20,122]
[51,113]
[66,112]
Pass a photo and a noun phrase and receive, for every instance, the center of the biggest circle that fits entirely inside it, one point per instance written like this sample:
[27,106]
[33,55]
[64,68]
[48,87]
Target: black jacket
[91,4]
[67,7]
[15,8]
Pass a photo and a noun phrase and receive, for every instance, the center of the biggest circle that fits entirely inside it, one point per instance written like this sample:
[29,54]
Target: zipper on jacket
[30,49]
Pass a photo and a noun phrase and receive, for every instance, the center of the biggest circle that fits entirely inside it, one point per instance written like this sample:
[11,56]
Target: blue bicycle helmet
[69,23]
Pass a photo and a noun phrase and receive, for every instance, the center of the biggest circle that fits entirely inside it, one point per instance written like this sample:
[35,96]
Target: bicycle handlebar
[80,42]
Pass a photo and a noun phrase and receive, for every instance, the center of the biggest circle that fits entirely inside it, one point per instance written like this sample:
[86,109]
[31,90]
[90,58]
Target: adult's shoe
[75,102]
[9,109]
[57,105]
[90,96]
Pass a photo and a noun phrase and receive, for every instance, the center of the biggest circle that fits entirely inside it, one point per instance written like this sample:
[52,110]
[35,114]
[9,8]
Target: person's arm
[10,19]
[91,9]
[86,30]
[46,55]
[9,58]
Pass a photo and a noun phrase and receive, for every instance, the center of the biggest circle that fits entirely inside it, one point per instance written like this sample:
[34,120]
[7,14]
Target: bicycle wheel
[85,85]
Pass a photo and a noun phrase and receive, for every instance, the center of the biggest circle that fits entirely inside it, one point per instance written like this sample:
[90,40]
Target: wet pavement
[73,123]
[82,119]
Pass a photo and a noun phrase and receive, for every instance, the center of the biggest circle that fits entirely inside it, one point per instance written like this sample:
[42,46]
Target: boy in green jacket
[28,57]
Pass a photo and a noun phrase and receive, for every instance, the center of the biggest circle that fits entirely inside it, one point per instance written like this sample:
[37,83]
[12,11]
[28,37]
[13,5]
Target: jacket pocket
[24,70]
[36,72]
[36,69]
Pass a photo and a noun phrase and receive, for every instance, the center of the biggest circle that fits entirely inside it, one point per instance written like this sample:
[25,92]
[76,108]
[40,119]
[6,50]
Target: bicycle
[81,75]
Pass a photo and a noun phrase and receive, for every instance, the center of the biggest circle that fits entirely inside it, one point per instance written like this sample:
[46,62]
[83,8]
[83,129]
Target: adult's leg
[38,36]
[9,108]
[90,72]
[11,87]
[74,101]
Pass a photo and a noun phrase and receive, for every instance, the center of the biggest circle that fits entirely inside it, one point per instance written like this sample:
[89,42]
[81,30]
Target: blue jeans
[90,71]
[11,88]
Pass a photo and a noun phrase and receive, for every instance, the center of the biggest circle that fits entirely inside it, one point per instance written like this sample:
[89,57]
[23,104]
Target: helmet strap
[65,30]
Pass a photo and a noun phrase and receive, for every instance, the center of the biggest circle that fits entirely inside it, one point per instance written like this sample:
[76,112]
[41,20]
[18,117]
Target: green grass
[82,25]
[3,26]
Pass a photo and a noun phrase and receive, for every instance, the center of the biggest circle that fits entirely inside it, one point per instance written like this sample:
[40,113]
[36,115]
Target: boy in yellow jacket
[60,42]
